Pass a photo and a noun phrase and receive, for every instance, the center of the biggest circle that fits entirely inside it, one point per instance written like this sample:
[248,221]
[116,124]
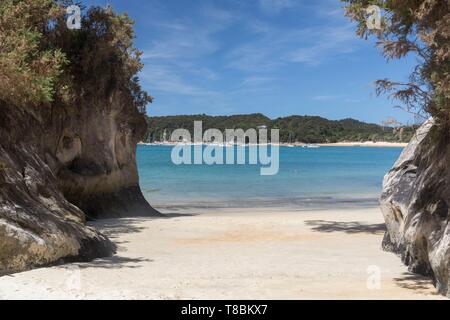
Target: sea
[308,178]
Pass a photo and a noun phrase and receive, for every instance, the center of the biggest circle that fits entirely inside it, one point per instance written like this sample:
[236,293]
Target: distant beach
[366,144]
[301,144]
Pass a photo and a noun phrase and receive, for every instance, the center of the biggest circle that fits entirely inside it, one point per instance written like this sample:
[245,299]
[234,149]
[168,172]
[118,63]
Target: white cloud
[272,47]
[326,97]
[352,100]
[256,80]
[326,42]
[166,79]
[188,38]
[254,84]
[187,42]
[339,97]
[276,6]
[178,49]
[174,58]
[252,57]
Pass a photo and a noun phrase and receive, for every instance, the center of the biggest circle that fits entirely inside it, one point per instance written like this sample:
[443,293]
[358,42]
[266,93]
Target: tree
[421,27]
[48,63]
[28,72]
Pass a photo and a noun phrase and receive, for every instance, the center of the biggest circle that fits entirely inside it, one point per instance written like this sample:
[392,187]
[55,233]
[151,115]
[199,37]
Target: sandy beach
[234,254]
[365,144]
[382,144]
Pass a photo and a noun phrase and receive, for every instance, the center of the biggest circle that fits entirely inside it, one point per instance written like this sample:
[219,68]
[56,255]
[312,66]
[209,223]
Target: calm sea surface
[308,178]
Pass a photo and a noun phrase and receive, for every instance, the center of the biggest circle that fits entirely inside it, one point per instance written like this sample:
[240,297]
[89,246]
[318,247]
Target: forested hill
[307,129]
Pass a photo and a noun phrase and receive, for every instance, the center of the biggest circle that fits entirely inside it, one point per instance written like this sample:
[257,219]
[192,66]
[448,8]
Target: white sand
[383,144]
[234,254]
[365,144]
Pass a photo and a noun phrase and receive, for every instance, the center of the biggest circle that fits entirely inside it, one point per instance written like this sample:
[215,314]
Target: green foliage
[48,62]
[292,129]
[159,125]
[28,71]
[102,57]
[421,27]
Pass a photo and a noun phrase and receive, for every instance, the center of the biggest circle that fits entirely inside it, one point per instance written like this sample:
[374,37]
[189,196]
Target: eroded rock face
[415,204]
[95,158]
[60,167]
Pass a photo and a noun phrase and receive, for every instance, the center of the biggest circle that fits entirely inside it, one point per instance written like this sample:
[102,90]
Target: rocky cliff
[71,113]
[415,204]
[60,166]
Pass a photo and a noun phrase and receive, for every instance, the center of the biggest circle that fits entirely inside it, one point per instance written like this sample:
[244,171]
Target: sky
[276,57]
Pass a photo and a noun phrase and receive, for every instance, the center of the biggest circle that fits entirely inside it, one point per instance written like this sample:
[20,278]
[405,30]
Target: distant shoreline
[365,144]
[371,144]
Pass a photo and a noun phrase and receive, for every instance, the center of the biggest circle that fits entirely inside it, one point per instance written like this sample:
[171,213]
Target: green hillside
[307,129]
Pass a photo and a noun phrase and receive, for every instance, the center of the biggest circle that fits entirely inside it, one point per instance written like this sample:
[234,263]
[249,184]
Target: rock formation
[71,113]
[59,167]
[415,204]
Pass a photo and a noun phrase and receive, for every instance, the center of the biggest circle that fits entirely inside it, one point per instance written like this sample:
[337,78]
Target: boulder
[415,204]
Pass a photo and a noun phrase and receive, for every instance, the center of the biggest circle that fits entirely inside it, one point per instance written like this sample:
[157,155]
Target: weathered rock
[415,204]
[60,167]
[95,158]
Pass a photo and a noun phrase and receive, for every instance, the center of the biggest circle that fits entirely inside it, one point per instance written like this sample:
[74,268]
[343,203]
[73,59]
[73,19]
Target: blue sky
[277,57]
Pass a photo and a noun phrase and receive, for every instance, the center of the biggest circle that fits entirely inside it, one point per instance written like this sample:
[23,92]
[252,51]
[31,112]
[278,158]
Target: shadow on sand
[115,262]
[352,227]
[112,228]
[415,282]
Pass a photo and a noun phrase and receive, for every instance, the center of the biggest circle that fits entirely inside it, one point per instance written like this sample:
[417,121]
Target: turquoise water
[329,176]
